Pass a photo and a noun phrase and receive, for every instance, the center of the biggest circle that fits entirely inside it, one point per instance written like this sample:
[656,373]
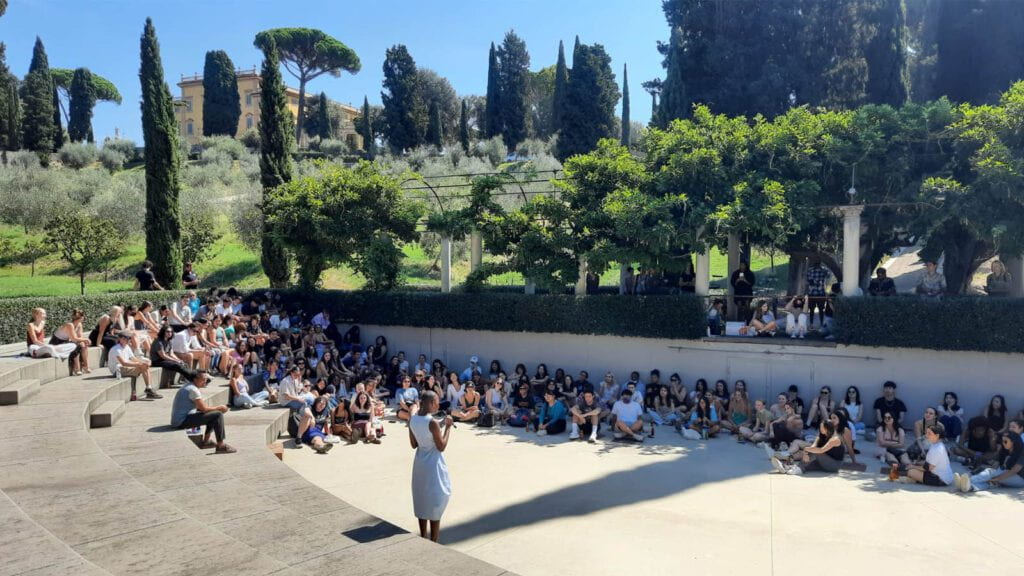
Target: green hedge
[15,313]
[652,316]
[957,323]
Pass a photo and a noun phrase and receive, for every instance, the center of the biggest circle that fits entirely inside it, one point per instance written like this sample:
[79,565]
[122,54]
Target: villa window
[189,129]
[248,100]
[248,121]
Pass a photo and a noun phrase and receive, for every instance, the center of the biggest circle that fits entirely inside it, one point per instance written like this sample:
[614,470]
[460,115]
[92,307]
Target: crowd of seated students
[337,390]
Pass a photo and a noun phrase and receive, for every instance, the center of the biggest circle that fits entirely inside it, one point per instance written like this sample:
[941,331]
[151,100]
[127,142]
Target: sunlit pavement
[542,506]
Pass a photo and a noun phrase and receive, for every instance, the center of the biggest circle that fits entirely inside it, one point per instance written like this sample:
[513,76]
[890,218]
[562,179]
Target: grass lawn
[231,264]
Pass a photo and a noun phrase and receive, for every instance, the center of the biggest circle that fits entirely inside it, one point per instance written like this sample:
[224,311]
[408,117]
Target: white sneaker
[638,437]
[619,435]
[542,433]
[795,471]
[593,437]
[575,435]
[777,466]
[793,336]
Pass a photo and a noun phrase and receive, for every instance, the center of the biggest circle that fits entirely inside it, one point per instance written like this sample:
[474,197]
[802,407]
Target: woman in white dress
[431,487]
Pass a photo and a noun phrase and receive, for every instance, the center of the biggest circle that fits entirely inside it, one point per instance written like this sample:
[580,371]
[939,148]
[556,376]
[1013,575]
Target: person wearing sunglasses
[821,408]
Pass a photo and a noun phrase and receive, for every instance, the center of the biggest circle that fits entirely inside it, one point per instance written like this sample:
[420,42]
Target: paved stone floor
[543,506]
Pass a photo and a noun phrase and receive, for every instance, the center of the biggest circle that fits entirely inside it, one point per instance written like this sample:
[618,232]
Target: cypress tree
[514,72]
[561,89]
[675,102]
[163,186]
[277,142]
[366,129]
[888,73]
[593,94]
[37,103]
[222,106]
[9,125]
[434,136]
[492,114]
[323,117]
[83,99]
[58,129]
[464,128]
[625,107]
[403,106]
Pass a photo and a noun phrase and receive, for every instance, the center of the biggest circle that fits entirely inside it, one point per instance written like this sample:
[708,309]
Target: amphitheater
[93,484]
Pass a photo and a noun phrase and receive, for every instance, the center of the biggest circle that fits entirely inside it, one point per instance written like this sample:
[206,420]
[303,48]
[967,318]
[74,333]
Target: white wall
[922,376]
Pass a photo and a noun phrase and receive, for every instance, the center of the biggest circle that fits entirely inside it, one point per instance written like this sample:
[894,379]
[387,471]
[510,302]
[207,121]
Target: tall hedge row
[964,323]
[652,316]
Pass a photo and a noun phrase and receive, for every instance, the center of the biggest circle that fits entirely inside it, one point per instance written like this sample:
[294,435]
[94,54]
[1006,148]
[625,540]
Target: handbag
[486,420]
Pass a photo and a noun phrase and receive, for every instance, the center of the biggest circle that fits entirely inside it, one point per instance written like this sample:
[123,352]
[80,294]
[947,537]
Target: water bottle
[704,432]
[117,371]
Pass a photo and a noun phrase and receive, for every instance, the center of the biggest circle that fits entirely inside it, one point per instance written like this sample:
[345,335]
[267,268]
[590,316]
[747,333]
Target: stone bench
[107,414]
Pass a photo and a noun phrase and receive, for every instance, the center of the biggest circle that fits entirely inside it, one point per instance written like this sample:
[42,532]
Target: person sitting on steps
[190,410]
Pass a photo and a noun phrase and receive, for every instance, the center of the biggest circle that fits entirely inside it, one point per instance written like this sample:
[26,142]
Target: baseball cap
[474,360]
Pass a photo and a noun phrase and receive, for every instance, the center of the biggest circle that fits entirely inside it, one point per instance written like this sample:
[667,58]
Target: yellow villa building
[189,109]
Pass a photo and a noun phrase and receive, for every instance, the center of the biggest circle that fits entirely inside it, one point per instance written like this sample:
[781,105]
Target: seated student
[586,416]
[362,418]
[757,430]
[567,388]
[341,421]
[161,354]
[1016,427]
[467,374]
[793,397]
[999,281]
[936,470]
[468,407]
[976,445]
[316,433]
[626,414]
[951,414]
[608,393]
[522,406]
[881,284]
[581,384]
[841,421]
[825,455]
[240,391]
[71,332]
[293,393]
[652,388]
[123,363]
[888,402]
[664,410]
[704,418]
[796,312]
[931,416]
[716,317]
[106,329]
[551,416]
[762,323]
[190,410]
[496,400]
[855,409]
[995,412]
[408,399]
[38,347]
[822,407]
[738,412]
[784,430]
[678,391]
[891,441]
[932,284]
[1009,473]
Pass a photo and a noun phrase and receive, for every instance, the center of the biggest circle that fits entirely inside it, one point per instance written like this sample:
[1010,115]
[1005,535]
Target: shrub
[956,323]
[251,139]
[77,155]
[333,148]
[23,159]
[125,147]
[112,159]
[225,144]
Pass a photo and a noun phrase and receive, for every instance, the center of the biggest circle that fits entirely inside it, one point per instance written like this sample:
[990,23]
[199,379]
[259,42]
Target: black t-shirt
[157,347]
[189,277]
[894,407]
[146,279]
[522,403]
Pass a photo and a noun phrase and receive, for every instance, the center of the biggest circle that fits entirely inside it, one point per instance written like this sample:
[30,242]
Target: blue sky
[450,36]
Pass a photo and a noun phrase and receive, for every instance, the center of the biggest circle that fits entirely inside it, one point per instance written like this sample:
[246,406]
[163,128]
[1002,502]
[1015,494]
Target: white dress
[431,487]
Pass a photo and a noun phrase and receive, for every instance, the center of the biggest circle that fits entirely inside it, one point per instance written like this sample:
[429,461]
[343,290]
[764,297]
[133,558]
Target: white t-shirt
[117,355]
[938,459]
[184,311]
[222,310]
[628,412]
[181,342]
[289,388]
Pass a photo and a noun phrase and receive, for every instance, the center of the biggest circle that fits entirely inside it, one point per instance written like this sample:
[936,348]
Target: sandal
[225,450]
[206,445]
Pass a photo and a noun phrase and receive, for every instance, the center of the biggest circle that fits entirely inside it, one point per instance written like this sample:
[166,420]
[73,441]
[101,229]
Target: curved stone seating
[138,498]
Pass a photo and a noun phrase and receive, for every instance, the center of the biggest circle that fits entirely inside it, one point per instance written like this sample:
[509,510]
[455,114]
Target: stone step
[107,414]
[18,392]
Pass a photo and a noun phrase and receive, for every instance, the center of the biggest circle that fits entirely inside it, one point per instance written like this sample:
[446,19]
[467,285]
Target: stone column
[476,250]
[446,265]
[733,263]
[1015,266]
[851,250]
[703,272]
[581,280]
[531,287]
[622,278]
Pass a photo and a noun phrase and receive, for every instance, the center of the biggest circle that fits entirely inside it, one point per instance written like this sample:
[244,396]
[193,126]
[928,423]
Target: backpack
[486,420]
